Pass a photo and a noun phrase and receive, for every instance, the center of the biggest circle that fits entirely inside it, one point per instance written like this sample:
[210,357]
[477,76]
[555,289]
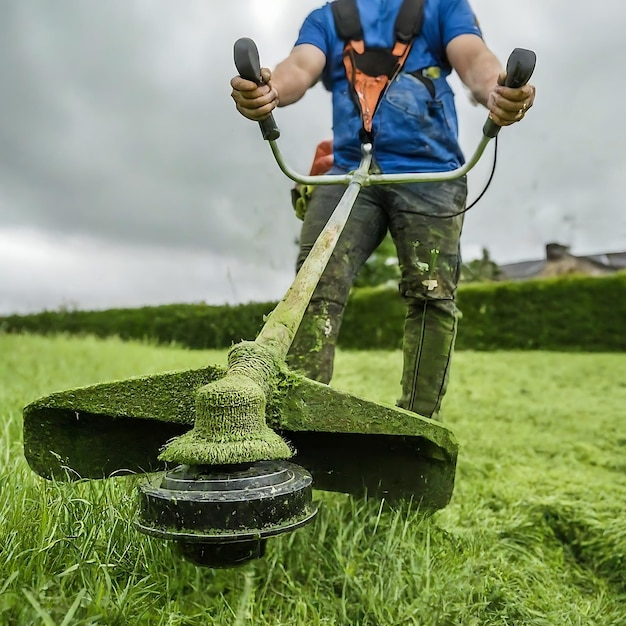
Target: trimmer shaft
[221,516]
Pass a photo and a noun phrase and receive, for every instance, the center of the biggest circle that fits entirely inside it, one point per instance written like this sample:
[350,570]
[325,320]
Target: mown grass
[535,533]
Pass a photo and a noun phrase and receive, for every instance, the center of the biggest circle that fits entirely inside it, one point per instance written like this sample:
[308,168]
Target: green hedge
[192,325]
[574,313]
[571,313]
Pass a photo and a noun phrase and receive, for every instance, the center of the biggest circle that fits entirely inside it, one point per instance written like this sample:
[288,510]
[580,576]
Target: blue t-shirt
[413,132]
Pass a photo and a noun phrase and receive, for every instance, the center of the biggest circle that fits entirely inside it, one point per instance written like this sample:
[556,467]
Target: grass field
[535,533]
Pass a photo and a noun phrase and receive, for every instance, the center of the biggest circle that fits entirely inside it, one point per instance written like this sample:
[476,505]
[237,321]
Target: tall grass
[535,533]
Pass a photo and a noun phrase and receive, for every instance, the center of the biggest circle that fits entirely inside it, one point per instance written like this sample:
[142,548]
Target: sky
[127,178]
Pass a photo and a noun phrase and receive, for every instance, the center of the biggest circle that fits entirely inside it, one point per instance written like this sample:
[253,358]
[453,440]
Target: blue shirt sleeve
[315,31]
[457,18]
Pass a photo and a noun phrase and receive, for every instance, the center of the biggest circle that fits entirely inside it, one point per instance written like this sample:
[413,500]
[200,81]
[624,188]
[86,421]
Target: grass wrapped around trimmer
[230,424]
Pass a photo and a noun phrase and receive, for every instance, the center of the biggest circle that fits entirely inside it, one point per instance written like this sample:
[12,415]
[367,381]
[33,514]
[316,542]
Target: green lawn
[535,533]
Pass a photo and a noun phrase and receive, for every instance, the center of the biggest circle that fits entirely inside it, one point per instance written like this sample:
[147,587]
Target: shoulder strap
[348,21]
[370,70]
[409,21]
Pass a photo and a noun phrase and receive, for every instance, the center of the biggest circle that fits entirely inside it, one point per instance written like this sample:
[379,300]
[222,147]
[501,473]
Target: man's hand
[254,101]
[507,105]
[481,71]
[291,78]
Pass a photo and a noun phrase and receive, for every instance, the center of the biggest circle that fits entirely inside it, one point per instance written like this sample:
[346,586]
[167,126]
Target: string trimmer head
[222,514]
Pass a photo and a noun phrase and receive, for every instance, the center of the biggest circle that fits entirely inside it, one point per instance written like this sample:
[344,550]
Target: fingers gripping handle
[249,67]
[519,69]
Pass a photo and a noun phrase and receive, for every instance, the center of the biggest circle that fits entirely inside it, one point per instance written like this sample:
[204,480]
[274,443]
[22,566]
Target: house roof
[615,260]
[611,261]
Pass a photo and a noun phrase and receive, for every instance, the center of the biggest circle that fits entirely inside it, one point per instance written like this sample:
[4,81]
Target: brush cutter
[223,435]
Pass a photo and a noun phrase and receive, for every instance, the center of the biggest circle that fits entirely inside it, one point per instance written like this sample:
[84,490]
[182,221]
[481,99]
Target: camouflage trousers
[428,247]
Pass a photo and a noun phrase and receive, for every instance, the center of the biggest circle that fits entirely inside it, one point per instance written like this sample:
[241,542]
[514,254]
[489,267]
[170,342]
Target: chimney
[556,251]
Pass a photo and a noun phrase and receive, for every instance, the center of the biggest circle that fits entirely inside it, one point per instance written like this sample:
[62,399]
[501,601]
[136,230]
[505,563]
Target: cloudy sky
[127,177]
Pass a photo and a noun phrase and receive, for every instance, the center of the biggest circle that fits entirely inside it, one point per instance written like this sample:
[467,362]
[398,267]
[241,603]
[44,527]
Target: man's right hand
[254,101]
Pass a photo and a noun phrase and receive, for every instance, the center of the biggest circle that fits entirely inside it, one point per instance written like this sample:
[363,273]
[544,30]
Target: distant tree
[483,269]
[381,267]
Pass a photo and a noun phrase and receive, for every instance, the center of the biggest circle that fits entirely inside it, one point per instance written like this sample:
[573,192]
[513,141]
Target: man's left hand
[508,105]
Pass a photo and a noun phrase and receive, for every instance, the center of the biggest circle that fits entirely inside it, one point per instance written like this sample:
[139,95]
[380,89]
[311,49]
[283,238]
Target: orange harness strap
[370,70]
[369,90]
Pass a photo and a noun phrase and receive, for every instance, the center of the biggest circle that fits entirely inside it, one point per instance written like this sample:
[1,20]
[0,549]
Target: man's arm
[483,74]
[286,85]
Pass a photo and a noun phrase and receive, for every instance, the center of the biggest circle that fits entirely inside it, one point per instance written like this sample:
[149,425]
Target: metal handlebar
[378,179]
[519,69]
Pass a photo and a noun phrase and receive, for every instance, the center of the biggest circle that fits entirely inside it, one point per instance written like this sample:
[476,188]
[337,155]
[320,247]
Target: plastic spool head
[222,516]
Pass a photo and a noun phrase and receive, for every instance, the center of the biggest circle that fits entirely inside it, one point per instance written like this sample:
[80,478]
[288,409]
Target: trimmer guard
[348,444]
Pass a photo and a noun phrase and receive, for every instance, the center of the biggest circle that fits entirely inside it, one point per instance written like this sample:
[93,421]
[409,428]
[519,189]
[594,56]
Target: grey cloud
[111,141]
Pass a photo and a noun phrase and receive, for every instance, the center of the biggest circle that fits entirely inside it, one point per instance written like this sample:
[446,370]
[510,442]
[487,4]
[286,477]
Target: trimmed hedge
[568,313]
[193,325]
[572,313]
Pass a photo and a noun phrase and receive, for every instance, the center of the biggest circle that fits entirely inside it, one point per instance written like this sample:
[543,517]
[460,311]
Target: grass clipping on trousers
[230,424]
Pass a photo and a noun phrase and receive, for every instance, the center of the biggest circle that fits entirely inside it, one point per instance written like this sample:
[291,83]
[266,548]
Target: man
[413,129]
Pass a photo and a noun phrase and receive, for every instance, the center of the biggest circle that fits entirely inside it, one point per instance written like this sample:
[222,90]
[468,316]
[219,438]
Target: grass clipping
[230,424]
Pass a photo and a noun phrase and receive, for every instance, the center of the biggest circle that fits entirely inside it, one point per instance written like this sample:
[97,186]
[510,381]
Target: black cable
[480,195]
[493,171]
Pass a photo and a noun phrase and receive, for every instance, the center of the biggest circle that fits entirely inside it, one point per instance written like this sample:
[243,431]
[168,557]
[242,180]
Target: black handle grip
[519,69]
[249,67]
